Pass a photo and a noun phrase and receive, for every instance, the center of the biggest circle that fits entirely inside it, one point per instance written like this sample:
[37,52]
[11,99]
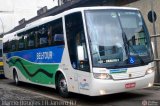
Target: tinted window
[55,33]
[13,44]
[21,42]
[45,35]
[6,46]
[76,37]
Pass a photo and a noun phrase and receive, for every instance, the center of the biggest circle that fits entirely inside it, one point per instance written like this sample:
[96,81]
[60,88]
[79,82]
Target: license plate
[130,85]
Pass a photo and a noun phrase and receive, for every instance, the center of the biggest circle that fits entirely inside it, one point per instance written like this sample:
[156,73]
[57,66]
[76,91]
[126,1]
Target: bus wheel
[62,86]
[16,80]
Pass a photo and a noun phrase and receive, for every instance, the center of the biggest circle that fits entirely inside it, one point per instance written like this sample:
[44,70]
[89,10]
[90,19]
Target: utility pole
[155,43]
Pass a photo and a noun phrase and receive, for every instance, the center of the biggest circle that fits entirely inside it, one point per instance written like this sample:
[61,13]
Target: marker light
[102,76]
[150,70]
[102,92]
[150,84]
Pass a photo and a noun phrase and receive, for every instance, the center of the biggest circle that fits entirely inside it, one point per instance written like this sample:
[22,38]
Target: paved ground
[12,95]
[32,95]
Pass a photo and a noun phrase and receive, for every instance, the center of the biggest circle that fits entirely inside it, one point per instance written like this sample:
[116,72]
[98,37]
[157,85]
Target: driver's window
[76,37]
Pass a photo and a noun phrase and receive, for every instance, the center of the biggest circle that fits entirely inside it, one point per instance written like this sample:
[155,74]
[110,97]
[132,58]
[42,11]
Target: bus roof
[99,7]
[50,18]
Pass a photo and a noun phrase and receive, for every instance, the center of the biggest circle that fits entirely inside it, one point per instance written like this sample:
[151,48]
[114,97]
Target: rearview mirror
[80,52]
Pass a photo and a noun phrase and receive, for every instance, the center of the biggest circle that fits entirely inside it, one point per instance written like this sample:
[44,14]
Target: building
[11,11]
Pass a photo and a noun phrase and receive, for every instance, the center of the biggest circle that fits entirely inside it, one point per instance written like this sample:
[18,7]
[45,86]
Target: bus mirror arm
[80,51]
[153,47]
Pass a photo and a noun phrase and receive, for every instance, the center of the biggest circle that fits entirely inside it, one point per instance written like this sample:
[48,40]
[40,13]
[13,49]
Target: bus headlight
[150,70]
[102,76]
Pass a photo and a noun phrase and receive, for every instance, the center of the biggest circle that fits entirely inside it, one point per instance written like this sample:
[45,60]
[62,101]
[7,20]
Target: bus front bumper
[104,87]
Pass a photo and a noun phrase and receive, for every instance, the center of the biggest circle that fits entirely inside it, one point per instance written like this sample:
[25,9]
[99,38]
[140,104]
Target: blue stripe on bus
[41,55]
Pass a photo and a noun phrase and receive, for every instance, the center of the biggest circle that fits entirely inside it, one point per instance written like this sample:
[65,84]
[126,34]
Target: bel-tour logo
[44,55]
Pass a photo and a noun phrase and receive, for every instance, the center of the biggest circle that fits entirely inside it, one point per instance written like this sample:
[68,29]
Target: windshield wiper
[126,43]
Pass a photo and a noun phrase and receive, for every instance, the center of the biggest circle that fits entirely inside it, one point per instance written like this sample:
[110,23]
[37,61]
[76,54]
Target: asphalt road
[33,95]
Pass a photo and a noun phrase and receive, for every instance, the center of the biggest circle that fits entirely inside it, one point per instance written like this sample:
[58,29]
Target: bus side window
[6,46]
[56,32]
[9,46]
[25,41]
[36,39]
[43,38]
[31,40]
[58,39]
[49,35]
[21,42]
[14,44]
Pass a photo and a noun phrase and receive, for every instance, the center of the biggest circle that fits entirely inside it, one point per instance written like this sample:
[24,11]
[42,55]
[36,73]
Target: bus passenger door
[76,41]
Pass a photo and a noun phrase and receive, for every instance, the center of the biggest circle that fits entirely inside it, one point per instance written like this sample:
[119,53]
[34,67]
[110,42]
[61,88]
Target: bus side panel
[36,65]
[69,73]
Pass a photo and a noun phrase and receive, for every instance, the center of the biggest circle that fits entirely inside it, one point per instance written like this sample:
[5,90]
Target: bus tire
[62,86]
[15,76]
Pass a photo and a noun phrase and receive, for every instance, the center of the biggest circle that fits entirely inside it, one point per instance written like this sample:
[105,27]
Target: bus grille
[128,75]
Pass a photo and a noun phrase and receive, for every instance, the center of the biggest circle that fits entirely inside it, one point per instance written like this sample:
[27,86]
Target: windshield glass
[118,38]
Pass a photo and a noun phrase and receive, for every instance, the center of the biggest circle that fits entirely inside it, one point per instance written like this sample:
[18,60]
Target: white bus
[89,50]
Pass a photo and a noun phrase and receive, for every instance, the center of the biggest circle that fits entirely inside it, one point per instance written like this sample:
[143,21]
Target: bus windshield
[118,38]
